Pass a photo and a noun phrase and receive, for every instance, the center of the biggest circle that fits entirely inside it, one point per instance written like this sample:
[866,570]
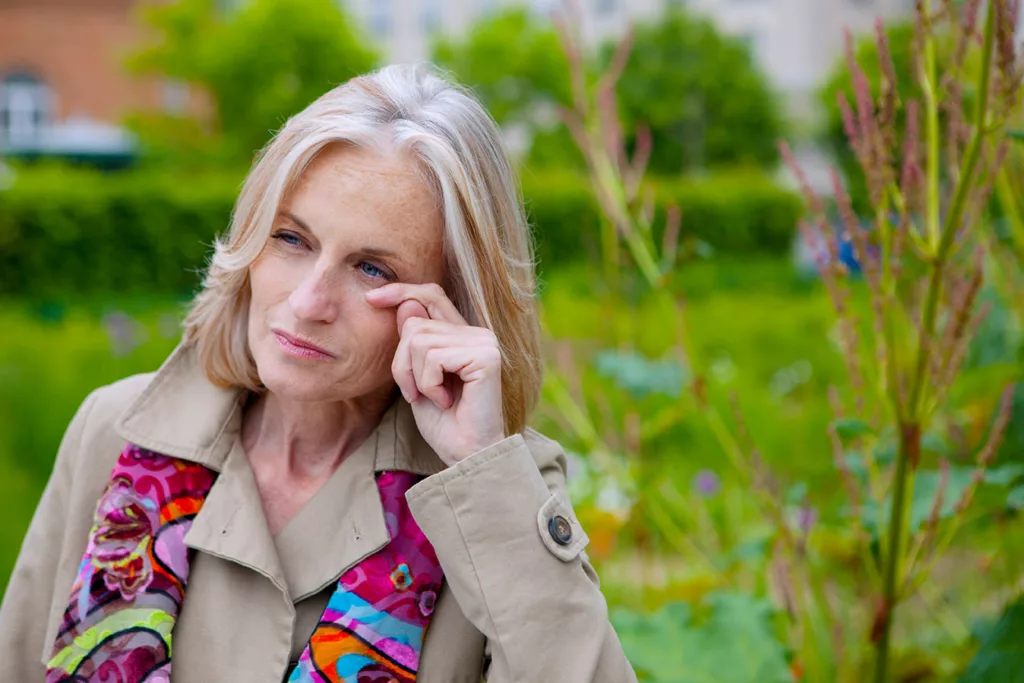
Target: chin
[314,381]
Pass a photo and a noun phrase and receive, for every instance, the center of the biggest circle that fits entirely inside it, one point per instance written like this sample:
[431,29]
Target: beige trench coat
[516,605]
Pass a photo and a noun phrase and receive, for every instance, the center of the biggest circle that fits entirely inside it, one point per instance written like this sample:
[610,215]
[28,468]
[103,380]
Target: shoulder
[105,405]
[91,431]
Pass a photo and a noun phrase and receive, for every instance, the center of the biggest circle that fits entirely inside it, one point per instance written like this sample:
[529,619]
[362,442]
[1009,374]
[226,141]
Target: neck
[308,440]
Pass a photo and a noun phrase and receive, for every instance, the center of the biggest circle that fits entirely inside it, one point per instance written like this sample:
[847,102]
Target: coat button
[560,530]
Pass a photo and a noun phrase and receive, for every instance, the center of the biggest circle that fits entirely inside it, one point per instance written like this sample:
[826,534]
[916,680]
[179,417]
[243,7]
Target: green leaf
[1017,135]
[669,646]
[926,488]
[1016,498]
[1001,657]
[754,549]
[1005,475]
[796,493]
[885,453]
[854,461]
[936,443]
[850,428]
[641,376]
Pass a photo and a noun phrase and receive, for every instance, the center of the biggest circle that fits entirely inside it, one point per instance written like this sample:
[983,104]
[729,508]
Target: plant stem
[931,131]
[910,431]
[909,450]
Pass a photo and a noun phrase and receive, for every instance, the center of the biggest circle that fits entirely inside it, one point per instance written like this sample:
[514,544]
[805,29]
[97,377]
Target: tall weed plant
[878,586]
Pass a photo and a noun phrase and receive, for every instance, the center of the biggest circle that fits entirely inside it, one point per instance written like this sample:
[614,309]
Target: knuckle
[494,354]
[412,325]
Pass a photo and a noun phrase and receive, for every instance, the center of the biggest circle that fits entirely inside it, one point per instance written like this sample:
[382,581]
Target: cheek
[376,329]
[271,280]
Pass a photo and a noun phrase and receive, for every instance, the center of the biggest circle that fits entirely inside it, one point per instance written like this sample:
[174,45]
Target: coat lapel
[182,414]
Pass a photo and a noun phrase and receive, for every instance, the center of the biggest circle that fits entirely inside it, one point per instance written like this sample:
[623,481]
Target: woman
[331,478]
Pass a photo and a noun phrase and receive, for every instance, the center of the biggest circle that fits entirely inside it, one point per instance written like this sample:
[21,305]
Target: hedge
[65,230]
[734,212]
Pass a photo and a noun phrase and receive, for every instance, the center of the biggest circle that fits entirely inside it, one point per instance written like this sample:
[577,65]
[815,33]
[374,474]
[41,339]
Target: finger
[410,308]
[468,363]
[401,365]
[430,378]
[418,335]
[430,295]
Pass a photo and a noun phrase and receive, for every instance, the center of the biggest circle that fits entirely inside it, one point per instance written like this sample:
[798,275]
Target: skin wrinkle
[315,413]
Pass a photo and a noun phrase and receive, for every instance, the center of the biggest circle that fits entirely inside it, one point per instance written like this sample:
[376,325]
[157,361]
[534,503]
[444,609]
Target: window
[26,106]
[606,7]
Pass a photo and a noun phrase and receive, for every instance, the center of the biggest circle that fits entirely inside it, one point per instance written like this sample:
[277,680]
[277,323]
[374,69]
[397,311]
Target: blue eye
[373,271]
[289,238]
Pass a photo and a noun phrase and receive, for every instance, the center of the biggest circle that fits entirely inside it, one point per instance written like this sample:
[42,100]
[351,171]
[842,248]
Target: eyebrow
[379,252]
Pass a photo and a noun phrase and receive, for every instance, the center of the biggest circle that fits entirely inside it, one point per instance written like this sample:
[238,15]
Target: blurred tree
[259,65]
[513,61]
[701,94]
[698,91]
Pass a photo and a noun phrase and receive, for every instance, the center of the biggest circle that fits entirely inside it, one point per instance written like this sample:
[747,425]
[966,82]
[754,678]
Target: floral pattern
[131,585]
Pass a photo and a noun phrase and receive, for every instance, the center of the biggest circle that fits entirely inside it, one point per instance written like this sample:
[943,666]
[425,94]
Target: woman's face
[356,220]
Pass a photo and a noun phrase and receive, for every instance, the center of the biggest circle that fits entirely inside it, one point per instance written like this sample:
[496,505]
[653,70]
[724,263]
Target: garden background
[699,394]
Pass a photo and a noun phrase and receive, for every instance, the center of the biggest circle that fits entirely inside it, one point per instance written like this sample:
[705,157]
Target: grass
[50,359]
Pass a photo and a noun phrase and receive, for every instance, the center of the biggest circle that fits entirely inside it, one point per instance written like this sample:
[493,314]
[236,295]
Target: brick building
[63,87]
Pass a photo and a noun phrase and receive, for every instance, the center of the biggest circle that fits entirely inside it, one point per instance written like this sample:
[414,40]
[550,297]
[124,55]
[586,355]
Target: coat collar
[182,414]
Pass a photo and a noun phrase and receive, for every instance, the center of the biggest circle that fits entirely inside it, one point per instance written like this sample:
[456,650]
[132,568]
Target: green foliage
[733,212]
[514,63]
[1001,657]
[47,368]
[926,490]
[733,644]
[639,375]
[900,38]
[701,94]
[512,60]
[260,65]
[749,317]
[64,230]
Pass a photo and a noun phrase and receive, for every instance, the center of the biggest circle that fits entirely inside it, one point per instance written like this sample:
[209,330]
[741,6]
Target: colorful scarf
[131,585]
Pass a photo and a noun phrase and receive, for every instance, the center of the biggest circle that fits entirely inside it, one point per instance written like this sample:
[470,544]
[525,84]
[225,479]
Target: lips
[296,346]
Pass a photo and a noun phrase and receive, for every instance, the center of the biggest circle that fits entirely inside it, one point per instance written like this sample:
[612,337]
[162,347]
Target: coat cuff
[489,518]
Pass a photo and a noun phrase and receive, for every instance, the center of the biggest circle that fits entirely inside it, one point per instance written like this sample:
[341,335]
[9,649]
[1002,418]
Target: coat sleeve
[26,601]
[512,554]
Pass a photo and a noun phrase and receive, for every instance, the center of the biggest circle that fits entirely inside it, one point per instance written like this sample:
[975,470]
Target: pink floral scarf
[131,583]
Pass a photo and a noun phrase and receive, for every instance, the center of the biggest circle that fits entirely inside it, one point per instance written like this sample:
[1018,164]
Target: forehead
[353,192]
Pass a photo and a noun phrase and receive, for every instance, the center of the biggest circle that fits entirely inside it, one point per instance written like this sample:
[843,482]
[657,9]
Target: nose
[312,299]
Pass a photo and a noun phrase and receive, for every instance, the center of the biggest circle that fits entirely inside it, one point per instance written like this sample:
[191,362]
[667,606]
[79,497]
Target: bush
[67,231]
[734,212]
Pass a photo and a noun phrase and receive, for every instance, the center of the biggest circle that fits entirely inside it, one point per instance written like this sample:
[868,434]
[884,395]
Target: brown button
[560,530]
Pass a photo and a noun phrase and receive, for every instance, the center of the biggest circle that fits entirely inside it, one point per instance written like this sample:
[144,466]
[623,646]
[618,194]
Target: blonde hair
[488,253]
